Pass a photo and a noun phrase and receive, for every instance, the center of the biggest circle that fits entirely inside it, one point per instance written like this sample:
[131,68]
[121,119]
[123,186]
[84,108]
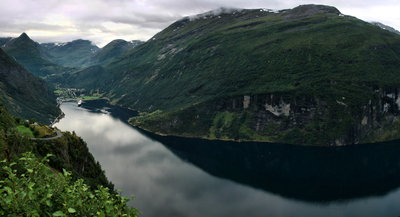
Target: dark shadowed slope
[24,94]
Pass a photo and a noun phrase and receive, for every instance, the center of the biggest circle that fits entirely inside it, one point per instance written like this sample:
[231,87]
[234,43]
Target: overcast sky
[102,21]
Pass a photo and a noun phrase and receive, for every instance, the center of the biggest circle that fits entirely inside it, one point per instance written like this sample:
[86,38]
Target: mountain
[308,75]
[74,53]
[33,56]
[93,66]
[4,41]
[113,49]
[24,94]
[383,26]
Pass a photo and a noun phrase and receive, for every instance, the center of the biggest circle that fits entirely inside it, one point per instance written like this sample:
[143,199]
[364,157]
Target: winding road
[59,134]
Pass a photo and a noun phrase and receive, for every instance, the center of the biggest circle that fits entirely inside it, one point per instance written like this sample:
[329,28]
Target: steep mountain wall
[286,119]
[23,93]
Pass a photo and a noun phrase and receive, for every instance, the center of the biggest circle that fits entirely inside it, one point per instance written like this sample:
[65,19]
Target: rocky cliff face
[377,120]
[284,118]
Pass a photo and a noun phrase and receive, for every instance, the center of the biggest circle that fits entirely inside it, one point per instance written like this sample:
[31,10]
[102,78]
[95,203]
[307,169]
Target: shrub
[39,192]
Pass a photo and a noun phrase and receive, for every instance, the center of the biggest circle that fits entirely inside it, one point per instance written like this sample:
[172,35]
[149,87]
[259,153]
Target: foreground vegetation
[38,191]
[30,184]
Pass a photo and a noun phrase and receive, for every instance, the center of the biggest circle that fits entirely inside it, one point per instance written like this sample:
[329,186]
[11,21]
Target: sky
[102,21]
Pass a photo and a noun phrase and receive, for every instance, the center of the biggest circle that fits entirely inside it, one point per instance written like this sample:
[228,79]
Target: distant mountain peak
[24,36]
[383,26]
[311,9]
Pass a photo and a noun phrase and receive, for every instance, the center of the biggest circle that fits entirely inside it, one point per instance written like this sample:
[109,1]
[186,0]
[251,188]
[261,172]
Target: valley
[235,107]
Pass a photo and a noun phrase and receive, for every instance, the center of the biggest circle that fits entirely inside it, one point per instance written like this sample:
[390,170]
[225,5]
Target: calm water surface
[173,176]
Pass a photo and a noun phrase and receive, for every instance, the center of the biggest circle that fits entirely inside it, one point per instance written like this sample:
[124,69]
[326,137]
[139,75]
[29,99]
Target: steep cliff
[285,118]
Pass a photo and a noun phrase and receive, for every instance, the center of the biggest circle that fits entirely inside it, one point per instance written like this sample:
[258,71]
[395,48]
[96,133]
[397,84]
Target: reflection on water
[173,176]
[313,174]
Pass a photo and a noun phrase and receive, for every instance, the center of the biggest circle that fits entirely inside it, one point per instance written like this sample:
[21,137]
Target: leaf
[30,185]
[71,210]
[8,189]
[8,199]
[58,213]
[23,194]
[12,164]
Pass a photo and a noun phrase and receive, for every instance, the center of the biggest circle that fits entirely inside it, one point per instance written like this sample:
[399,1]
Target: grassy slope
[246,54]
[22,129]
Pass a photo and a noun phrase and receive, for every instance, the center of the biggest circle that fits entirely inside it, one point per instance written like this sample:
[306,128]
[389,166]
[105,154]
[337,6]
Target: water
[172,176]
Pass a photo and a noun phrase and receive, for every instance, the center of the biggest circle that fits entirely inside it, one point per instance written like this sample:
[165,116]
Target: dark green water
[172,176]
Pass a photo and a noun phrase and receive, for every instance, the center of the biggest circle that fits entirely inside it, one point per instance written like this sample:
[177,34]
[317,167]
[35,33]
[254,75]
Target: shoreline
[248,141]
[197,137]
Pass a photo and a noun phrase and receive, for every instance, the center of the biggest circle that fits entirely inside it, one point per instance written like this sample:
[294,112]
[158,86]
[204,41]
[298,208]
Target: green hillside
[308,75]
[256,52]
[24,94]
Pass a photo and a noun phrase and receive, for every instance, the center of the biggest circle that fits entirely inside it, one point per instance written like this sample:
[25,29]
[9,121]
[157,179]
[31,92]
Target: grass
[44,131]
[90,97]
[60,91]
[22,129]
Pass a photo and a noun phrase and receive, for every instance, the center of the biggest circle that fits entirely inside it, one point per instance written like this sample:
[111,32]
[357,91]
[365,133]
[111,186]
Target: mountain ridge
[383,26]
[33,56]
[109,52]
[73,54]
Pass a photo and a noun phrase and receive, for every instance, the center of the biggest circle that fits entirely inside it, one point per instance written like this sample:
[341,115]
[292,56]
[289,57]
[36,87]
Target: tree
[32,120]
[39,192]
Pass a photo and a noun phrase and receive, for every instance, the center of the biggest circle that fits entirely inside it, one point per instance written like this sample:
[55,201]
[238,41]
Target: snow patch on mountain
[214,13]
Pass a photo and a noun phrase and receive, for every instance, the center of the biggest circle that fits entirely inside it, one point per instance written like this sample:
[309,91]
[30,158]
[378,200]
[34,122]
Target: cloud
[96,20]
